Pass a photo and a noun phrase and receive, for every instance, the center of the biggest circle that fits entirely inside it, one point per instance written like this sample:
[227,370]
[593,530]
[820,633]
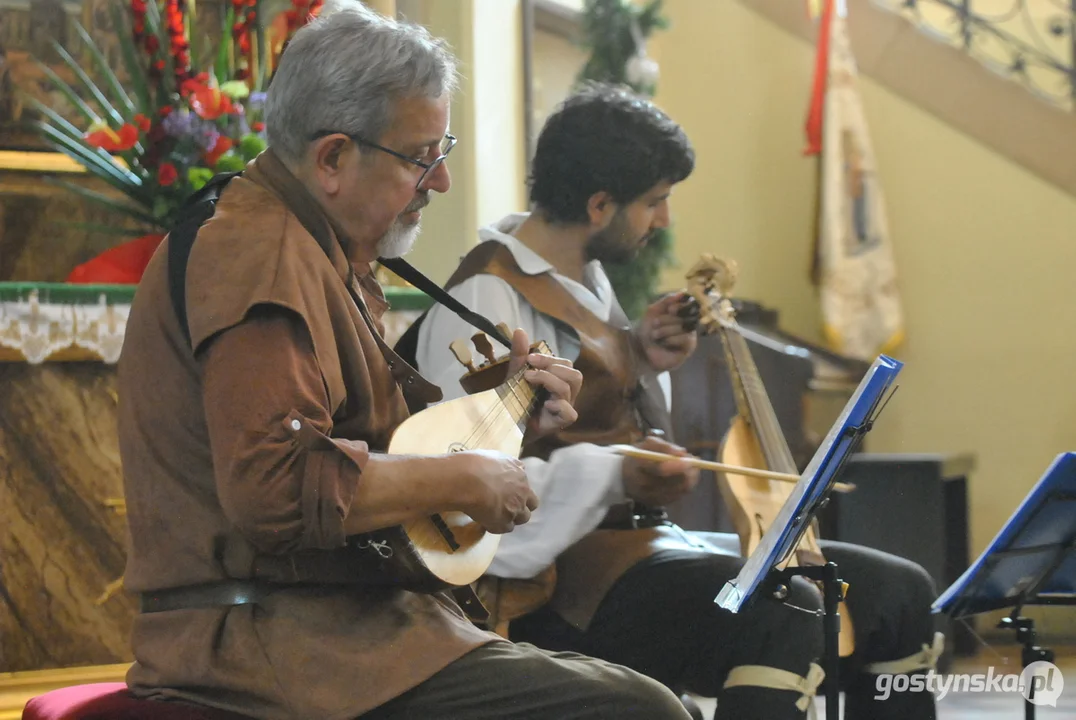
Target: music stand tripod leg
[832,595]
[1031,652]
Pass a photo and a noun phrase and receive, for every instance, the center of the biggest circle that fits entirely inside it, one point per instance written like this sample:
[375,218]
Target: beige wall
[557,62]
[985,251]
[487,117]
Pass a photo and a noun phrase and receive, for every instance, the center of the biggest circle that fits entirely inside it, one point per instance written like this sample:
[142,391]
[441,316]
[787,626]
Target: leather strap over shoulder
[199,208]
[412,275]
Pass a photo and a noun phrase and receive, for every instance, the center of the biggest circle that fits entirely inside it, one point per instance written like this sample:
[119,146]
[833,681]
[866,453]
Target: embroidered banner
[854,266]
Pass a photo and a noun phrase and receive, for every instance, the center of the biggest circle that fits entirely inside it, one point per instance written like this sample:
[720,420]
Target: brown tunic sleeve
[280,478]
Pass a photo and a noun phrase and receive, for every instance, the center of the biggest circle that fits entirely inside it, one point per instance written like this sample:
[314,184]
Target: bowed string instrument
[754,438]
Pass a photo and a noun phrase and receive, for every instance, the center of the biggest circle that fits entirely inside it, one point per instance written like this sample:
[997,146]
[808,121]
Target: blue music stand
[764,574]
[1032,561]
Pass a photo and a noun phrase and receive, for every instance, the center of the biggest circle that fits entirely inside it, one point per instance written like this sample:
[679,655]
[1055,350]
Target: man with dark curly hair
[595,571]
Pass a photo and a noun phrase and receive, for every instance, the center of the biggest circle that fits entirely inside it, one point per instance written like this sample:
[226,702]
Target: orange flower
[142,122]
[167,174]
[222,146]
[208,103]
[102,136]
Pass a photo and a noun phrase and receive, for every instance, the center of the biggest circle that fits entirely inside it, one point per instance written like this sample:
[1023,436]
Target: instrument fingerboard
[762,417]
[519,396]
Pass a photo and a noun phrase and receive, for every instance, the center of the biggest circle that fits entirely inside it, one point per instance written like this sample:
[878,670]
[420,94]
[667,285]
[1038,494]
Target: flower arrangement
[180,115]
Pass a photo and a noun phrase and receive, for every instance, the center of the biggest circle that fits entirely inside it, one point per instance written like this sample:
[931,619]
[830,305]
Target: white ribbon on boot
[776,679]
[925,659]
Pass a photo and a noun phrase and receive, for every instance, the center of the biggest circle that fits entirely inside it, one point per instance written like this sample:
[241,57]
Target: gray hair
[345,71]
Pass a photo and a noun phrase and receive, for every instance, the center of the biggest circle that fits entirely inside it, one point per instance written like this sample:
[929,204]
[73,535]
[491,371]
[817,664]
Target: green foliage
[635,282]
[609,36]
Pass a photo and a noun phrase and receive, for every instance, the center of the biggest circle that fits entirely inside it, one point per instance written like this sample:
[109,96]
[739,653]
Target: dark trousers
[505,681]
[660,619]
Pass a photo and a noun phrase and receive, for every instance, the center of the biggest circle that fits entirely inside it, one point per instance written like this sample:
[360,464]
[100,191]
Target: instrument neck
[753,402]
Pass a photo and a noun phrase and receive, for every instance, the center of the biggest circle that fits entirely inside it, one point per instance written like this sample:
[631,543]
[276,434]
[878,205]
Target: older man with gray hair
[257,399]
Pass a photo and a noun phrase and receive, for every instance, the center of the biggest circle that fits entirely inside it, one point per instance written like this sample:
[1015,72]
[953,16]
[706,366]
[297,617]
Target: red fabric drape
[123,264]
[818,92]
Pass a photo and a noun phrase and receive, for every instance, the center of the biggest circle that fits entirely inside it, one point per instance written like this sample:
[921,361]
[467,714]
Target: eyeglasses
[447,143]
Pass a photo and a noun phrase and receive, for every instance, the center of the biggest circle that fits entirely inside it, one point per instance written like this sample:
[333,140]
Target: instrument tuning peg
[503,327]
[463,354]
[484,346]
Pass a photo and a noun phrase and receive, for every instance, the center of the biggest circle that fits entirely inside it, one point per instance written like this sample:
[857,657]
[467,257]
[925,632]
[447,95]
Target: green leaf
[101,65]
[251,146]
[135,212]
[58,121]
[229,162]
[96,161]
[68,92]
[161,207]
[222,68]
[135,70]
[235,89]
[98,96]
[198,177]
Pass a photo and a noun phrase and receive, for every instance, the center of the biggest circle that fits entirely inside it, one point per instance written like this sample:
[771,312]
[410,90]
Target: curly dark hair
[605,138]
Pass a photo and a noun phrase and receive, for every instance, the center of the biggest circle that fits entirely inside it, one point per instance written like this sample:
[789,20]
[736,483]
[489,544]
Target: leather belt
[226,593]
[206,595]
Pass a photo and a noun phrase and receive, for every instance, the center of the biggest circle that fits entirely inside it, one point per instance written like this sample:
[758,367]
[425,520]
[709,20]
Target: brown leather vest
[607,413]
[618,402]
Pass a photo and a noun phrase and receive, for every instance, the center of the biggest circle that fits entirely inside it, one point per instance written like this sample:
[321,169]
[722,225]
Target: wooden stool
[112,701]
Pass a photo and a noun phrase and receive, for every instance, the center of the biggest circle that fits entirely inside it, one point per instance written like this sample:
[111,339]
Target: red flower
[104,137]
[167,174]
[142,122]
[257,126]
[208,103]
[223,145]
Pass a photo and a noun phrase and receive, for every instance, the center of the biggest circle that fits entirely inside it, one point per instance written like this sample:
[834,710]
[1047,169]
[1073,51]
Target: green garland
[608,35]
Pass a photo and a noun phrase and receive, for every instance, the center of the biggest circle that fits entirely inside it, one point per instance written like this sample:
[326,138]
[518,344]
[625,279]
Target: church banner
[854,267]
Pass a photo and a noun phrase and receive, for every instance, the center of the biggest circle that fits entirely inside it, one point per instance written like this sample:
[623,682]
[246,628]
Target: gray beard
[399,240]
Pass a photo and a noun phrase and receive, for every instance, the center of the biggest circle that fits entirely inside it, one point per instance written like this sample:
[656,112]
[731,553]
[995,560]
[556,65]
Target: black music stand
[1032,561]
[764,574]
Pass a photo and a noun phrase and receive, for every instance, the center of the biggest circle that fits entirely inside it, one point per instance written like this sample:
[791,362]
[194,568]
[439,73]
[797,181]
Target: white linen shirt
[578,483]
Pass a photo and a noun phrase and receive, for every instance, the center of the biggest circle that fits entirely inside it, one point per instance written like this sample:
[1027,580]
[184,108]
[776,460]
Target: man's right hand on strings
[500,496]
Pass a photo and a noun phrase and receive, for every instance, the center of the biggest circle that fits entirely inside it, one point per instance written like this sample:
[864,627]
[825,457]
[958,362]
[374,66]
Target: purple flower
[256,99]
[178,123]
[208,136]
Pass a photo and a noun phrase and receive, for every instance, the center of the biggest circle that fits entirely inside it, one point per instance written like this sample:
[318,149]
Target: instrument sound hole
[445,531]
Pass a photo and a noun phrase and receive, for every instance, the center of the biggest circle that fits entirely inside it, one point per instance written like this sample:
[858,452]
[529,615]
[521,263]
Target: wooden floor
[989,706]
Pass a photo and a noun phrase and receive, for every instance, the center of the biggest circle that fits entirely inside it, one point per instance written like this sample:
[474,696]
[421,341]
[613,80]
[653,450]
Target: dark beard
[614,244]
